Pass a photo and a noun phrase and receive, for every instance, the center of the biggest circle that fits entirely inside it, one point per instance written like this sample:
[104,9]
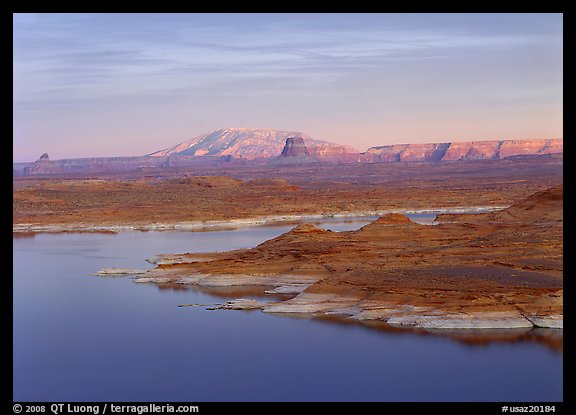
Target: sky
[92,85]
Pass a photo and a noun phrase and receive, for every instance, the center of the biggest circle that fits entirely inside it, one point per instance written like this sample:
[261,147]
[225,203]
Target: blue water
[79,337]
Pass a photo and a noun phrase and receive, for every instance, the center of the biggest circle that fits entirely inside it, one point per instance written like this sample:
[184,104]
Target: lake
[79,337]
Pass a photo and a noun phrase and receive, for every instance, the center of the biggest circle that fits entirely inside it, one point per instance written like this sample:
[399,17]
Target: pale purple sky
[88,85]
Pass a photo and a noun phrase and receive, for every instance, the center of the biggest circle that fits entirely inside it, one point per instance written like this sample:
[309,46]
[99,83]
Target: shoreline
[195,226]
[352,308]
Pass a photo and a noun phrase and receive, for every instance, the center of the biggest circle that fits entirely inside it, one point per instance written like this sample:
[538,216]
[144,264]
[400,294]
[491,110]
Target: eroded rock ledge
[457,315]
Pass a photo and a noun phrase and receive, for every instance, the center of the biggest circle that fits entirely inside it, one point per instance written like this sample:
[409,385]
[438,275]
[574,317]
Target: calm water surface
[79,337]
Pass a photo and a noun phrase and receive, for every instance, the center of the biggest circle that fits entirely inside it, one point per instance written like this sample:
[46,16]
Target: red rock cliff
[472,150]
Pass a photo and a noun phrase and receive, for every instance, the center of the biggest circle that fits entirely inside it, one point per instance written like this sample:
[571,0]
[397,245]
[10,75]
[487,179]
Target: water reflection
[551,338]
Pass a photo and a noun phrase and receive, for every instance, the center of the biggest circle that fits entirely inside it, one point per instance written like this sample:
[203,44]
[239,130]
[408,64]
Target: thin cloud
[254,65]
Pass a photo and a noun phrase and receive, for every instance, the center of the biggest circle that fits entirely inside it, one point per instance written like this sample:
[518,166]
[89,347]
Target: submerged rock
[194,305]
[120,271]
[242,304]
[480,320]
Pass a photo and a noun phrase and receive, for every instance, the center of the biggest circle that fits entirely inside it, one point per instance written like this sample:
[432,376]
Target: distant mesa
[232,147]
[464,151]
[251,144]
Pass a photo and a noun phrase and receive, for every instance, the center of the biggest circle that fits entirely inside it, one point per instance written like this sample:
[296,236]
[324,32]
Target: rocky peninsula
[496,270]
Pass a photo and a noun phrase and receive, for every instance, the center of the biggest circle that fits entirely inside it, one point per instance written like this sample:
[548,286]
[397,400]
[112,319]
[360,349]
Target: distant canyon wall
[471,150]
[45,166]
[317,152]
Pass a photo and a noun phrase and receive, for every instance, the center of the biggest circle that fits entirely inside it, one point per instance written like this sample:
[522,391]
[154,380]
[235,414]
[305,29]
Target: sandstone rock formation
[42,166]
[541,207]
[463,151]
[295,151]
[294,147]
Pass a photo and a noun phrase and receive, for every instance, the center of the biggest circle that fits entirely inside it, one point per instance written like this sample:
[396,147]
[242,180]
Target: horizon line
[272,129]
